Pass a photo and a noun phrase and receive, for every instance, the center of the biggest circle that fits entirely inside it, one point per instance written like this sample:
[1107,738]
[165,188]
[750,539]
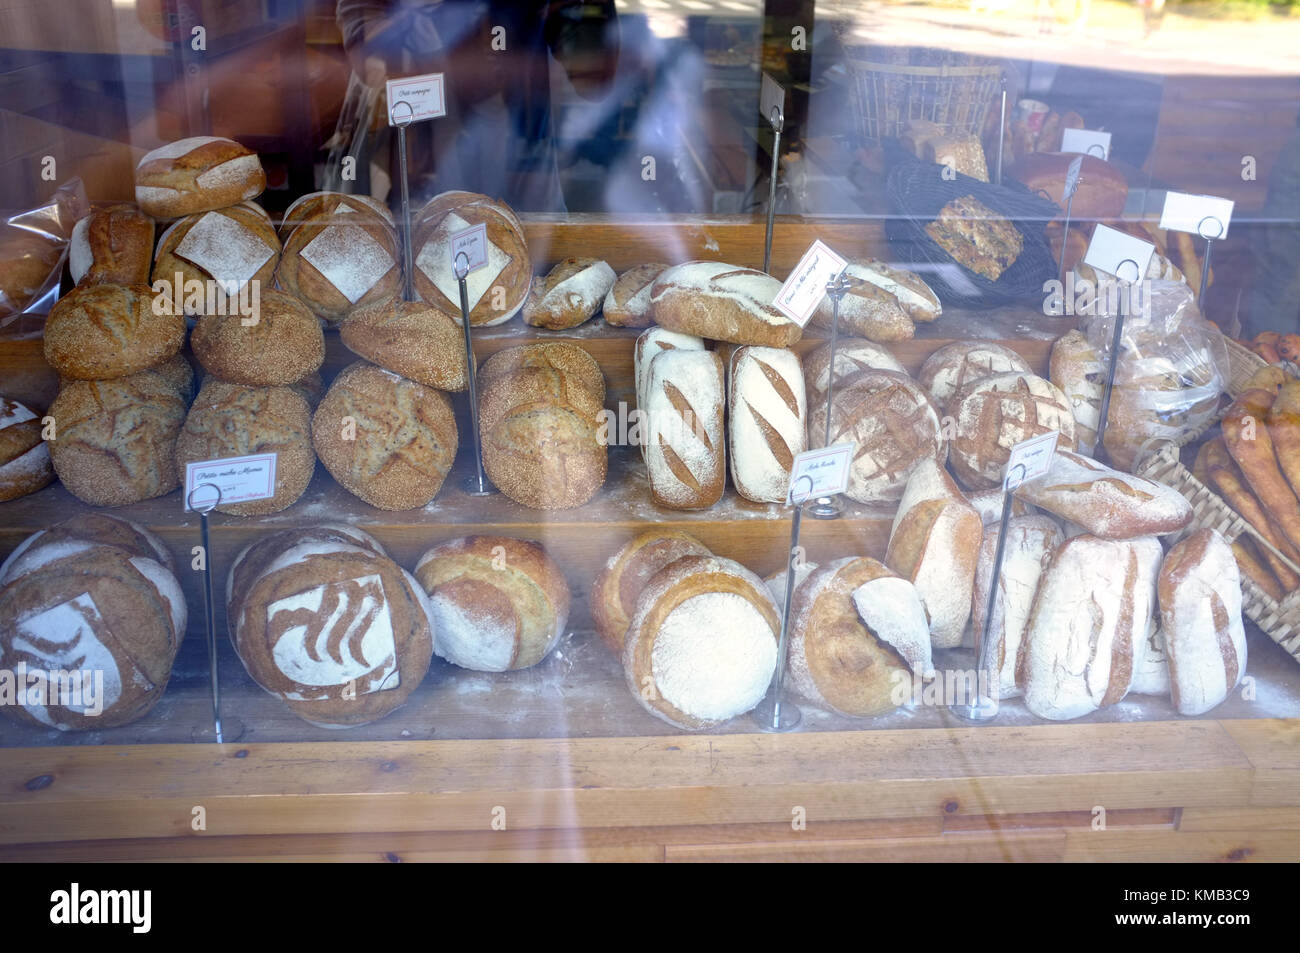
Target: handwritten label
[473,242]
[803,290]
[239,480]
[1029,460]
[1088,141]
[1072,177]
[771,99]
[1119,253]
[415,99]
[819,473]
[1204,215]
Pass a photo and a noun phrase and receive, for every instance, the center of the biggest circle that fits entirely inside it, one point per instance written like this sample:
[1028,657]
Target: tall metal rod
[777,120]
[408,293]
[462,271]
[209,603]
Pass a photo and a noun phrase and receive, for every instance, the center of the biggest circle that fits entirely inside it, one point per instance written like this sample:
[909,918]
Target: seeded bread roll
[853,356]
[628,303]
[112,245]
[410,338]
[99,332]
[767,427]
[620,583]
[116,440]
[279,345]
[723,303]
[386,439]
[999,412]
[950,372]
[569,295]
[497,603]
[196,175]
[24,458]
[335,262]
[230,420]
[226,250]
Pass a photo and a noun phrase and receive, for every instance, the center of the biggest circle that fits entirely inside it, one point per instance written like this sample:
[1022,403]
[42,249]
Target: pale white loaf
[650,343]
[685,450]
[768,421]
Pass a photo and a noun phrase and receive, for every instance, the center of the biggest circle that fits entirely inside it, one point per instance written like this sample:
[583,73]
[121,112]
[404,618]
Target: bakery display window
[456,456]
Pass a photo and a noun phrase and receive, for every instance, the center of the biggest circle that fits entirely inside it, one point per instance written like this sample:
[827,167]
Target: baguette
[1258,461]
[1250,565]
[1226,478]
[1284,427]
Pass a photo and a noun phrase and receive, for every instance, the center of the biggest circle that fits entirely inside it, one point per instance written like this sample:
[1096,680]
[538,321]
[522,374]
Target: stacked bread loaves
[24,456]
[229,251]
[196,175]
[92,607]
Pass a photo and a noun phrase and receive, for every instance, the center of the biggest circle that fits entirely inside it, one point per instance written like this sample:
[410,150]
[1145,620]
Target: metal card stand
[477,484]
[1002,128]
[1205,262]
[777,119]
[1113,360]
[1065,233]
[401,122]
[828,507]
[203,509]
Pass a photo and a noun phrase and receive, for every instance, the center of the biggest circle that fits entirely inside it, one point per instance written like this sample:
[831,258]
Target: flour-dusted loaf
[281,344]
[24,457]
[853,356]
[386,439]
[99,332]
[685,454]
[857,659]
[1030,543]
[569,294]
[776,581]
[231,420]
[1150,668]
[1200,615]
[767,421]
[227,250]
[410,338]
[893,425]
[329,624]
[648,344]
[497,603]
[866,310]
[627,305]
[497,291]
[996,414]
[988,503]
[934,544]
[1106,502]
[722,303]
[701,645]
[1151,663]
[112,245]
[871,283]
[1077,370]
[101,529]
[955,368]
[196,175]
[620,583]
[315,204]
[110,617]
[339,260]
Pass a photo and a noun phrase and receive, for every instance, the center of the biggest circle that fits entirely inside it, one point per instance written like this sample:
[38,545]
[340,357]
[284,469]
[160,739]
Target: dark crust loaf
[24,460]
[167,186]
[976,237]
[723,303]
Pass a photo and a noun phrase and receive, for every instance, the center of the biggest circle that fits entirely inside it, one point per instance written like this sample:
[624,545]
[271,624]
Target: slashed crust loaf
[24,458]
[99,332]
[196,175]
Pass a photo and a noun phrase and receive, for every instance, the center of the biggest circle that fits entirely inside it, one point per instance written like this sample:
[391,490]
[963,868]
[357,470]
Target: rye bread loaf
[99,332]
[112,245]
[227,250]
[723,303]
[767,422]
[196,175]
[569,294]
[280,345]
[24,458]
[620,583]
[627,305]
[410,338]
[686,456]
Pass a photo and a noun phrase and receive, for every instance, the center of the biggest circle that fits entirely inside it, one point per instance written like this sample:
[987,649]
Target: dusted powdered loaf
[767,426]
[231,420]
[99,332]
[872,284]
[627,305]
[650,343]
[196,175]
[339,260]
[497,603]
[101,529]
[1076,369]
[112,245]
[996,414]
[853,356]
[409,338]
[988,503]
[1200,614]
[723,303]
[317,204]
[24,458]
[1150,670]
[281,344]
[620,583]
[685,454]
[701,646]
[569,295]
[226,250]
[386,439]
[950,372]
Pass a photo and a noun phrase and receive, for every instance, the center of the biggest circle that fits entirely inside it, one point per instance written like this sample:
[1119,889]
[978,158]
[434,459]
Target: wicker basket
[887,96]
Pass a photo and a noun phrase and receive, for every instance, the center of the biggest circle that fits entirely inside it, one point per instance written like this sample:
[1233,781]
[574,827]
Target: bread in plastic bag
[33,248]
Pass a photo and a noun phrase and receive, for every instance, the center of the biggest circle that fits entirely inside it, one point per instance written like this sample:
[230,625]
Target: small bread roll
[281,344]
[569,295]
[620,583]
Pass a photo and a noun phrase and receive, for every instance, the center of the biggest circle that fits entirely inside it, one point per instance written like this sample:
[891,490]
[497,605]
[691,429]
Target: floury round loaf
[196,175]
[955,368]
[853,356]
[497,603]
[99,332]
[24,457]
[723,303]
[624,578]
[325,621]
[701,646]
[999,412]
[226,249]
[94,619]
[340,259]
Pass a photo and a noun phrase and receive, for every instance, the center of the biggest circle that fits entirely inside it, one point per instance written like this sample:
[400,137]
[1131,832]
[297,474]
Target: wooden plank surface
[1147,847]
[1273,746]
[1240,819]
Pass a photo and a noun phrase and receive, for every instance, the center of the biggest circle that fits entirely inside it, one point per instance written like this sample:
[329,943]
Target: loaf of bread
[28,263]
[98,332]
[196,175]
[1102,190]
[112,245]
[962,154]
[385,439]
[650,343]
[686,456]
[337,261]
[1150,662]
[281,344]
[934,544]
[701,644]
[317,204]
[329,624]
[101,529]
[777,580]
[1077,370]
[1200,615]
[976,237]
[627,305]
[853,356]
[540,419]
[767,425]
[115,441]
[723,303]
[999,412]
[569,295]
[178,374]
[497,603]
[24,457]
[226,250]
[951,371]
[231,420]
[410,338]
[497,291]
[621,582]
[880,302]
[988,503]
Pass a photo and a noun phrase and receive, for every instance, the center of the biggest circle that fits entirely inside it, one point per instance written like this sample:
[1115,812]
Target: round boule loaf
[723,303]
[317,204]
[196,175]
[853,356]
[225,250]
[569,295]
[231,420]
[281,344]
[112,245]
[497,603]
[24,458]
[101,529]
[332,627]
[386,439]
[410,338]
[335,262]
[999,412]
[99,332]
[115,441]
[620,583]
[627,305]
[955,368]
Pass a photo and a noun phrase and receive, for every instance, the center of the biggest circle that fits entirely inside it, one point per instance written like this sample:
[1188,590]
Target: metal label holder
[828,507]
[209,604]
[1205,262]
[777,119]
[1113,360]
[401,123]
[477,484]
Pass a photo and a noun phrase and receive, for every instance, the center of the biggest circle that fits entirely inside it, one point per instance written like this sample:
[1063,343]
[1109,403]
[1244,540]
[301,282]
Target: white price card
[1204,215]
[1072,177]
[472,242]
[239,480]
[1088,141]
[1119,253]
[803,290]
[415,99]
[821,472]
[771,99]
[1029,460]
